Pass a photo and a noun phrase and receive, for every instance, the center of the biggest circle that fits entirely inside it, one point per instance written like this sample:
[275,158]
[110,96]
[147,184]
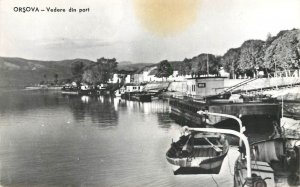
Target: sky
[139,30]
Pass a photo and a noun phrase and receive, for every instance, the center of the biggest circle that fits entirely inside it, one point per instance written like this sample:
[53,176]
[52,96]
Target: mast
[207,65]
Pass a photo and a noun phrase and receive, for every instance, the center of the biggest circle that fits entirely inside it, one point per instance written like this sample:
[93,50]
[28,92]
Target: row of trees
[196,66]
[276,53]
[200,65]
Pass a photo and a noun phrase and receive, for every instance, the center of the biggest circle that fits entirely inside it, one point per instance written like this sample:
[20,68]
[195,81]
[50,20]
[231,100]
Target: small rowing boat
[198,153]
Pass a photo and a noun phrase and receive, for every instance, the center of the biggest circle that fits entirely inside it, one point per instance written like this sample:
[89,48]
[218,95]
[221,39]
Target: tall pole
[207,65]
[282,106]
[232,69]
[275,70]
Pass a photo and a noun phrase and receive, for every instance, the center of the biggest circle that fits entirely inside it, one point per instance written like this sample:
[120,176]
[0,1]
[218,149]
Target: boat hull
[199,155]
[197,166]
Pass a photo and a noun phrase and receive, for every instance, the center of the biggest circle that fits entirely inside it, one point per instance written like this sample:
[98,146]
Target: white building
[223,73]
[133,88]
[118,78]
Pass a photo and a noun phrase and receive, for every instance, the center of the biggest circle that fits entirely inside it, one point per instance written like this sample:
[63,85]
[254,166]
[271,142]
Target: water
[50,140]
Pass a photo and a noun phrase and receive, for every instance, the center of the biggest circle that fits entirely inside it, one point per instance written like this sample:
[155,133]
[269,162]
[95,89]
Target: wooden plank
[215,147]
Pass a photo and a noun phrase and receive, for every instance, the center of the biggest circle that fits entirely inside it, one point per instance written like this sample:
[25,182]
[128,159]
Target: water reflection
[95,111]
[85,99]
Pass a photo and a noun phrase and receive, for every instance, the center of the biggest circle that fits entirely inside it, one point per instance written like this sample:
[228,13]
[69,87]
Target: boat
[141,97]
[198,153]
[275,162]
[251,176]
[69,89]
[119,92]
[44,87]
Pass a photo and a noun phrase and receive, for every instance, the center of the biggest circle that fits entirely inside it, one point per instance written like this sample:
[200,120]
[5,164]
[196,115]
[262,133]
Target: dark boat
[142,97]
[198,153]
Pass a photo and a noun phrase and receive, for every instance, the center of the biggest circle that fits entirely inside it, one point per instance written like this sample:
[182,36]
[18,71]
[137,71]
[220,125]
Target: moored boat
[198,153]
[70,89]
[275,162]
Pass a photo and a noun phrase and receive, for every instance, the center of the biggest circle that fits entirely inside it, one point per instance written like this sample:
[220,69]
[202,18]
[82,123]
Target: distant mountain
[133,67]
[20,72]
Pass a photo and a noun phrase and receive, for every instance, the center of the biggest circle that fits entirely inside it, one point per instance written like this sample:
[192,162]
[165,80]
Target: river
[47,139]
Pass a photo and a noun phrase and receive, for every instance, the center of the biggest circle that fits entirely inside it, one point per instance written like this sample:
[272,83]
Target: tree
[251,56]
[107,67]
[230,61]
[164,69]
[77,68]
[90,76]
[283,52]
[101,71]
[185,67]
[45,79]
[55,78]
[295,52]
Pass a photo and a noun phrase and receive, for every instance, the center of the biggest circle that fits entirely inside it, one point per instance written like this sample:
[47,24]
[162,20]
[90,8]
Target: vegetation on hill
[18,72]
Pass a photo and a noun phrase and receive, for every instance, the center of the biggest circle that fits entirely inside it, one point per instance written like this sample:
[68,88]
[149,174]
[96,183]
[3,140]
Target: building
[205,86]
[117,77]
[129,88]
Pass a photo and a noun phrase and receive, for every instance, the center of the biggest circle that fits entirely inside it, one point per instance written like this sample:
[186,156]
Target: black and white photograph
[154,93]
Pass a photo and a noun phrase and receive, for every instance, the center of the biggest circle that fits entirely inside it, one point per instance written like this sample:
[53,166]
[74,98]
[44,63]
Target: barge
[257,112]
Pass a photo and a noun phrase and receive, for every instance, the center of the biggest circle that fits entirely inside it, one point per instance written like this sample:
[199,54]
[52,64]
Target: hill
[133,67]
[20,72]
